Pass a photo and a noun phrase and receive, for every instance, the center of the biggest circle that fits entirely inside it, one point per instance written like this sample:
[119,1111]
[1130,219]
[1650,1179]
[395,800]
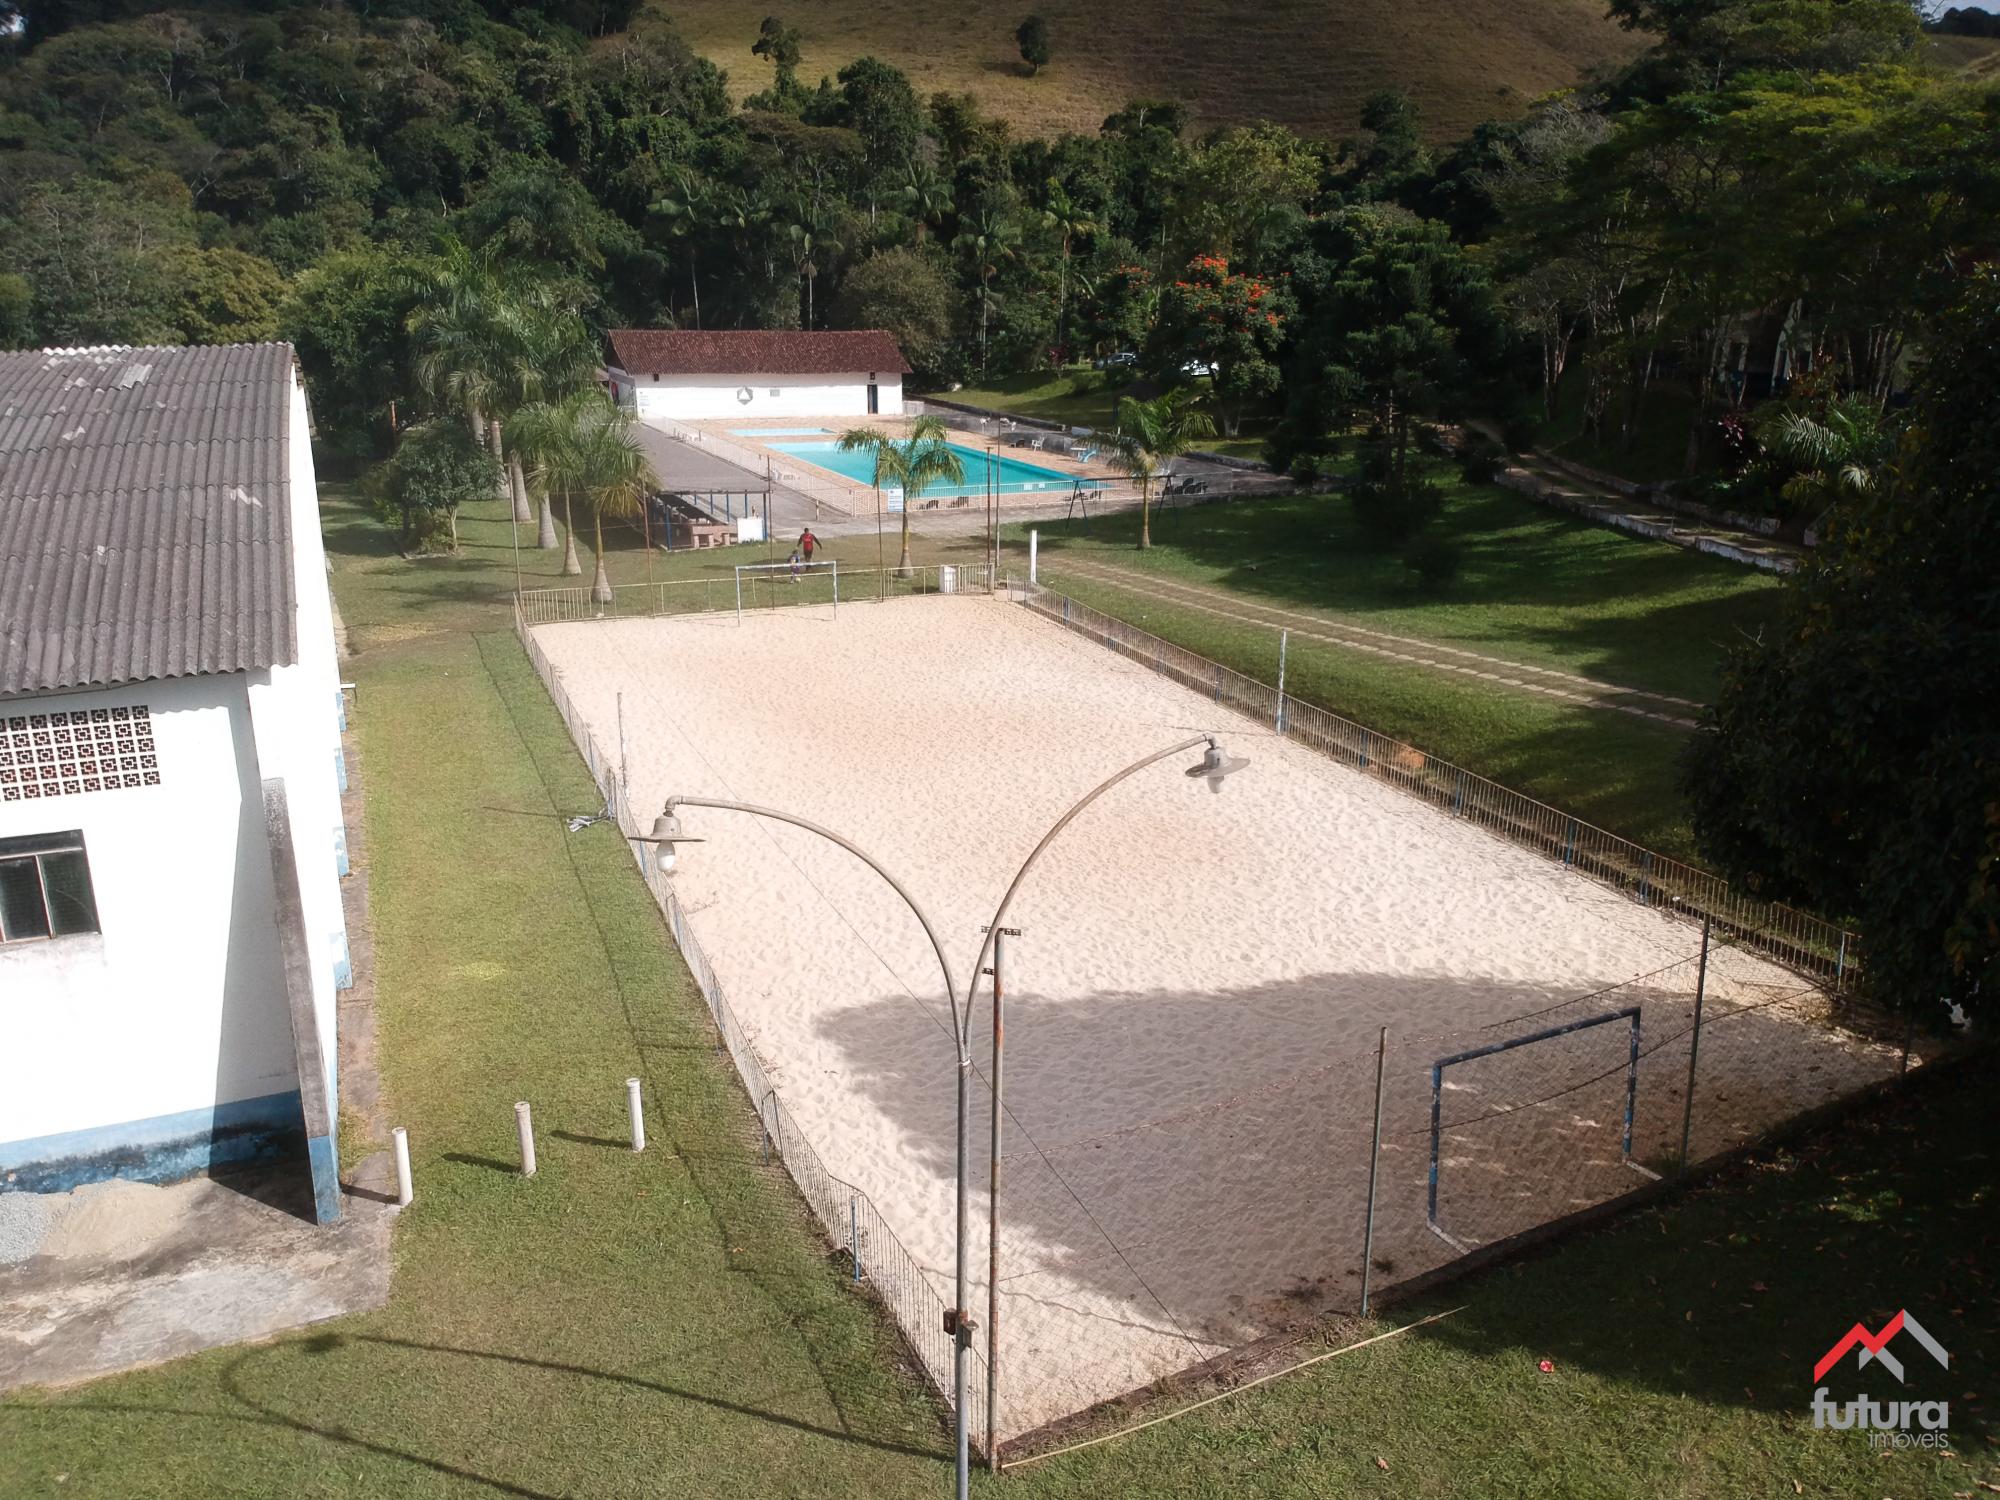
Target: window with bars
[45,888]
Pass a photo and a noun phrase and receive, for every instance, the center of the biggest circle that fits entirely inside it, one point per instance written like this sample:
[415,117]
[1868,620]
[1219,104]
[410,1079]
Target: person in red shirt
[807,541]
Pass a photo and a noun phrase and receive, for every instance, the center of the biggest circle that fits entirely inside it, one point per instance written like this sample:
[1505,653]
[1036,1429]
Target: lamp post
[667,833]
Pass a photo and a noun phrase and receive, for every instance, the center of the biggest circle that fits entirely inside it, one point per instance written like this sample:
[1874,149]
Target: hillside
[1305,63]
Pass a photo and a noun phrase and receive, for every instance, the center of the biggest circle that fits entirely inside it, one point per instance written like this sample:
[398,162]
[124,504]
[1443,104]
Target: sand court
[1195,997]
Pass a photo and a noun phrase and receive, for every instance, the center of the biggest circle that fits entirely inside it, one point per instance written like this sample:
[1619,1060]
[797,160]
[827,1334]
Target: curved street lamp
[667,834]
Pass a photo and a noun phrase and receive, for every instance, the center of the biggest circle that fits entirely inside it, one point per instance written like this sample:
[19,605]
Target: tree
[1149,435]
[1398,324]
[923,459]
[1852,760]
[346,318]
[1032,36]
[437,467]
[1232,324]
[904,292]
[987,240]
[1068,220]
[227,297]
[582,448]
[782,45]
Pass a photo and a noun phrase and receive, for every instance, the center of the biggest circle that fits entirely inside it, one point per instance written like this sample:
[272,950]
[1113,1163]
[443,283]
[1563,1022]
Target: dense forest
[1770,200]
[1764,237]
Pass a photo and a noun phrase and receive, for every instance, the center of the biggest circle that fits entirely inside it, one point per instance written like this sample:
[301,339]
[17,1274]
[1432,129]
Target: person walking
[807,542]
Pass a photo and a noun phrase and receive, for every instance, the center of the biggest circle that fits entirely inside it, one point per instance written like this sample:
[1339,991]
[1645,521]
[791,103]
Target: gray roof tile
[145,515]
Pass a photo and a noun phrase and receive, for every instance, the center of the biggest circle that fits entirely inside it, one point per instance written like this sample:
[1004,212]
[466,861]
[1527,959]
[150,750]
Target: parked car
[1124,359]
[1197,370]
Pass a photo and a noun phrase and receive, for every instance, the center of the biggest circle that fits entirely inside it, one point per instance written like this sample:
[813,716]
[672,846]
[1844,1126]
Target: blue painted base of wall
[166,1148]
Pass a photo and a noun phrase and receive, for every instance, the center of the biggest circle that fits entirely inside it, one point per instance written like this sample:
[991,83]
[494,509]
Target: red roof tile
[686,351]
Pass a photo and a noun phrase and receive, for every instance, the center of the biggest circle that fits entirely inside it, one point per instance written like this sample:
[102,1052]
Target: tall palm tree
[1070,221]
[925,196]
[1149,435]
[925,458]
[556,356]
[687,212]
[987,240]
[582,449]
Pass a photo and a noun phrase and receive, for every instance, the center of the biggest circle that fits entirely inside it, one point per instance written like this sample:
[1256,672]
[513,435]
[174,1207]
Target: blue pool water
[759,432]
[1012,476]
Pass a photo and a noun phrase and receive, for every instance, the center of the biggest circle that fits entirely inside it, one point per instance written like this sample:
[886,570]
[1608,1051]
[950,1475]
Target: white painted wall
[695,398]
[295,717]
[179,1002]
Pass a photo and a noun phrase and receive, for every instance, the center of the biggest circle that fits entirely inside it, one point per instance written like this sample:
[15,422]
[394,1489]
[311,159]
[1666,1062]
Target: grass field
[1082,398]
[1537,587]
[1300,64]
[666,1325]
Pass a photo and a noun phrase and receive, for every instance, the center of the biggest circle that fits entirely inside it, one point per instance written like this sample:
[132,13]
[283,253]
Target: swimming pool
[763,432]
[1012,476]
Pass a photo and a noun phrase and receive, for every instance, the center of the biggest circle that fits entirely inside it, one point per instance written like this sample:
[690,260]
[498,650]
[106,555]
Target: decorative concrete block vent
[61,753]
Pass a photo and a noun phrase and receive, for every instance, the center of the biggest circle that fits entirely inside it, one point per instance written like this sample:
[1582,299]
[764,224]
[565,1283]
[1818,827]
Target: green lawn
[1082,398]
[1538,588]
[668,1324]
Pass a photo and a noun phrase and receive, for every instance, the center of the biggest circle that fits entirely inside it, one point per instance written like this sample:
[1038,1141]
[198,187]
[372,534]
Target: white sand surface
[1194,1002]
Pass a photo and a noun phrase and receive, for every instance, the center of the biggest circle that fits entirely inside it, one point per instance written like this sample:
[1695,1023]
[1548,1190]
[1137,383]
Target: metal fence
[761,590]
[875,1258]
[1798,939]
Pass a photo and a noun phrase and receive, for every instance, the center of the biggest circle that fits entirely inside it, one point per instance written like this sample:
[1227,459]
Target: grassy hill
[1304,63]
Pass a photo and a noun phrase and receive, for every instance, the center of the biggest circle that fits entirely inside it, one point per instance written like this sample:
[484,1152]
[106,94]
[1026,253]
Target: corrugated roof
[743,351]
[145,514]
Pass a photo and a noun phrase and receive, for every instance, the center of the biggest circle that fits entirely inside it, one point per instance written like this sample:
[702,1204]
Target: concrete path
[121,1274]
[1545,681]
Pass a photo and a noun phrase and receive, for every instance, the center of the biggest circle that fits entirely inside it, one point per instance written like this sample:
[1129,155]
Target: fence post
[1374,1163]
[1034,552]
[404,1191]
[1840,964]
[636,1109]
[1284,637]
[524,1127]
[1694,1043]
[854,1236]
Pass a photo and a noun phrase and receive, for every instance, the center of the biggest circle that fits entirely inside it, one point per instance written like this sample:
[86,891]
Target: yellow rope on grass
[1248,1385]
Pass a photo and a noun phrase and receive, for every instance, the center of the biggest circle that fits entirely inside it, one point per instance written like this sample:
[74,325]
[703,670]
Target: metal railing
[1795,938]
[849,1218]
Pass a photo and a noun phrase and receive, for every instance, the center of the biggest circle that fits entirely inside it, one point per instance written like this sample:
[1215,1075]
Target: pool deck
[862,496]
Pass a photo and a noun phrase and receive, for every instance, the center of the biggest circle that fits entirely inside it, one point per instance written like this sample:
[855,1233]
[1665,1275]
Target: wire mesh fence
[876,1260]
[751,590]
[1792,937]
[1160,1226]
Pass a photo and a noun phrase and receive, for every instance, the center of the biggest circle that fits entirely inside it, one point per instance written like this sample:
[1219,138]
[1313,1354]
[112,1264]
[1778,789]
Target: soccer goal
[1629,1016]
[776,585]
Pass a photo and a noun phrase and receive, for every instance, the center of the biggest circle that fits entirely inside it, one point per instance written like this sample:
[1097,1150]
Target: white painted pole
[636,1110]
[404,1192]
[525,1124]
[1284,639]
[1034,551]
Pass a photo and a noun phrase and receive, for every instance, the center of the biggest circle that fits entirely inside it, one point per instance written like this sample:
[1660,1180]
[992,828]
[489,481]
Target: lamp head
[1215,764]
[665,836]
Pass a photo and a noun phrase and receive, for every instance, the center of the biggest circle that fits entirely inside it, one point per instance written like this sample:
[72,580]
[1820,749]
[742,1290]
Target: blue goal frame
[1629,1013]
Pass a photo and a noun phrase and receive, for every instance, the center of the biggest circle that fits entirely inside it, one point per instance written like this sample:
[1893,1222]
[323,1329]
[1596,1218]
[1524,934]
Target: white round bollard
[636,1109]
[524,1123]
[404,1191]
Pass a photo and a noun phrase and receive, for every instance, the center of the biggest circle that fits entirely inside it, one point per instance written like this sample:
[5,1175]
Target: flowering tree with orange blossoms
[1228,322]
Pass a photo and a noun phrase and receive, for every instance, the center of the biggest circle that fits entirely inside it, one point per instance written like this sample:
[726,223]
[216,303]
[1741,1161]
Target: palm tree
[1149,435]
[1069,219]
[582,448]
[556,355]
[925,196]
[687,214]
[988,241]
[924,459]
[1833,455]
[462,359]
